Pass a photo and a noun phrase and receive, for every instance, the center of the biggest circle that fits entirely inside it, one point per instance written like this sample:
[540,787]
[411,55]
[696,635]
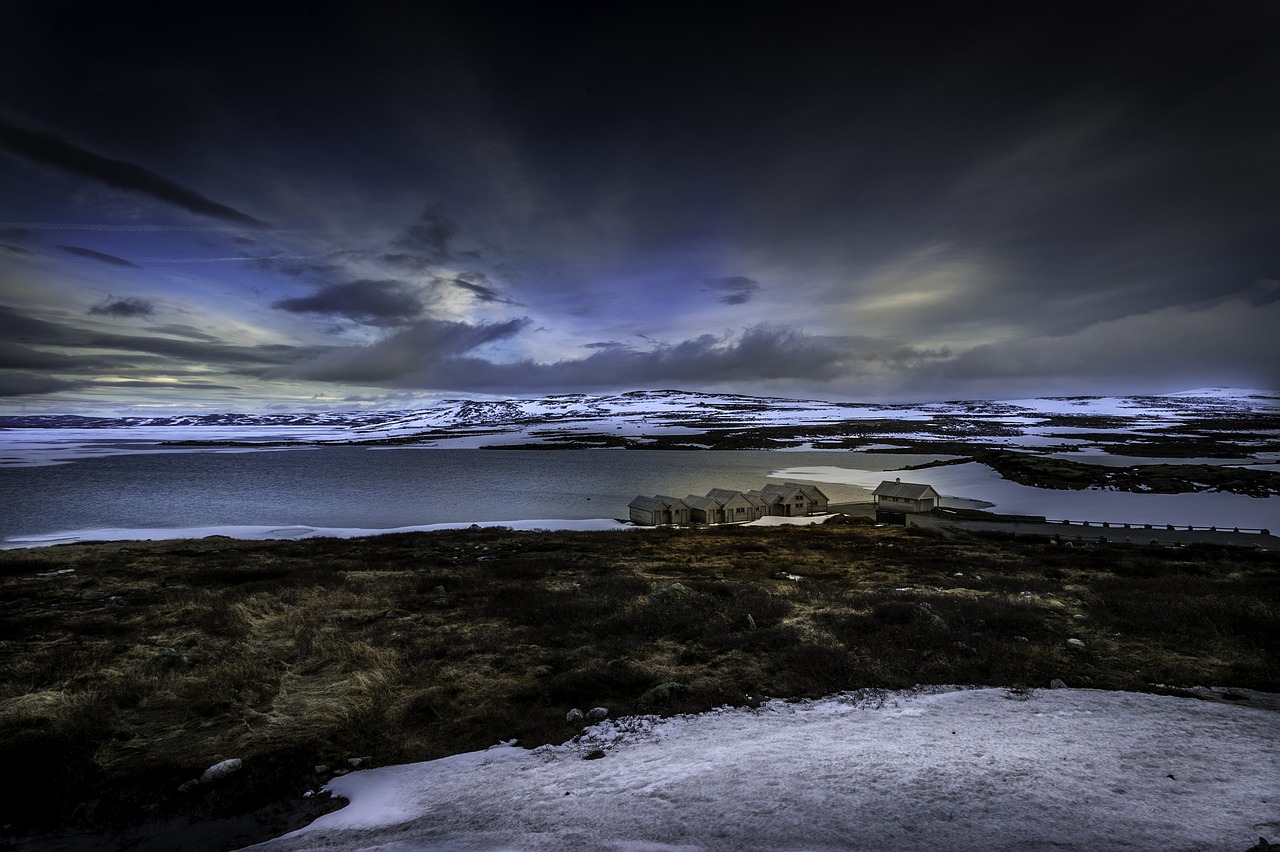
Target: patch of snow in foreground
[261,533]
[939,770]
[779,520]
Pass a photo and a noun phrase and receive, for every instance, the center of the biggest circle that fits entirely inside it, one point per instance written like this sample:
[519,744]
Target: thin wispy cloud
[41,146]
[101,257]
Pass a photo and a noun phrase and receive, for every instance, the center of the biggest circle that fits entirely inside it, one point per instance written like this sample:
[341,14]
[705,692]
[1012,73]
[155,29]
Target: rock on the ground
[221,770]
[660,694]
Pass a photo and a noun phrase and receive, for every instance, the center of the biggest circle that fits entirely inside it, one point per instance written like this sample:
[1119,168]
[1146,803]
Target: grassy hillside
[128,668]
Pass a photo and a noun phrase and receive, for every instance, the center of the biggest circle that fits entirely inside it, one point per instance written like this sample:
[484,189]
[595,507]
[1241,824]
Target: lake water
[381,488]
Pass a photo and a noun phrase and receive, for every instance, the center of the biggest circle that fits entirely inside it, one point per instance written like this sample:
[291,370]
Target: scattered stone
[353,762]
[597,714]
[751,622]
[595,754]
[188,786]
[221,770]
[321,768]
[438,590]
[1057,683]
[1075,643]
[574,715]
[662,693]
[58,573]
[94,595]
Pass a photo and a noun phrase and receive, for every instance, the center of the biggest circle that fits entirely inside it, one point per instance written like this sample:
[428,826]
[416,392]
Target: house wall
[707,516]
[798,505]
[739,509]
[642,516]
[902,504]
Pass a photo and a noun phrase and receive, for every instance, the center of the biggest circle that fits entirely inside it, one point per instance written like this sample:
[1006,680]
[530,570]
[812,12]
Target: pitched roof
[703,503]
[650,504]
[724,495]
[767,498]
[905,490]
[788,490]
[812,492]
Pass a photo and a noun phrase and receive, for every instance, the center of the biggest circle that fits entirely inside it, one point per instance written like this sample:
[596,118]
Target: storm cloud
[438,354]
[428,241]
[472,283]
[131,306]
[891,202]
[384,303]
[734,290]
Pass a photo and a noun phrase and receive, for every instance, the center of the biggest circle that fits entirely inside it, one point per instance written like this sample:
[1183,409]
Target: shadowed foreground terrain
[129,668]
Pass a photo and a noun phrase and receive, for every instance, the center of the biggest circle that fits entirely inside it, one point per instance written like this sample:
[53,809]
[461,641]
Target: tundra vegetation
[129,668]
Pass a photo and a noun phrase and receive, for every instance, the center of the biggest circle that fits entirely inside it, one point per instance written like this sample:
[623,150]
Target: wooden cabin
[899,496]
[659,510]
[791,500]
[727,506]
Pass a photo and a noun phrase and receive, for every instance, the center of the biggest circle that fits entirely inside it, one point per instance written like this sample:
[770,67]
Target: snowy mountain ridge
[675,406]
[670,406]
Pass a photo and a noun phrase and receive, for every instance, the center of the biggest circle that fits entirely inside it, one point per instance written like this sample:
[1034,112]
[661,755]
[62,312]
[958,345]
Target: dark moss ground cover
[127,668]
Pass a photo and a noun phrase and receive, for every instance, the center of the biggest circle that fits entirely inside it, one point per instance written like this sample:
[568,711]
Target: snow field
[946,768]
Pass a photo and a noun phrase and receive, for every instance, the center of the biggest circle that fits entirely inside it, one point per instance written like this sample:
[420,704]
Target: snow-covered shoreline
[975,481]
[298,532]
[941,768]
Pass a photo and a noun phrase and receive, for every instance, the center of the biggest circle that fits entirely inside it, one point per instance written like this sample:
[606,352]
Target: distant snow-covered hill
[673,408]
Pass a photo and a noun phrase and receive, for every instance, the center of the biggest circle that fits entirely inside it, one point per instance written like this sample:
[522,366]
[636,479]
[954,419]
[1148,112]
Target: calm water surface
[380,488]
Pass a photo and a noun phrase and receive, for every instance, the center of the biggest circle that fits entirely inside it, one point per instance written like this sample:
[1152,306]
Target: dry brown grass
[148,662]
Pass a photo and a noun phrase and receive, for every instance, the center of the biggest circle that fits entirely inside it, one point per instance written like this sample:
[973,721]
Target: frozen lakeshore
[935,769]
[297,532]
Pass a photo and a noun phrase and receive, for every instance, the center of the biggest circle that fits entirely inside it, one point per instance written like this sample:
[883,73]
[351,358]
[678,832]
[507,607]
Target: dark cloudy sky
[327,205]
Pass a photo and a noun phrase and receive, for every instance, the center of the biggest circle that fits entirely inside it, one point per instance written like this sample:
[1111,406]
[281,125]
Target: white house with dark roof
[899,496]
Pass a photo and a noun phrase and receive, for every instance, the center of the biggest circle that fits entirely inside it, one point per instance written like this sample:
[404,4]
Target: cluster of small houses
[789,500]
